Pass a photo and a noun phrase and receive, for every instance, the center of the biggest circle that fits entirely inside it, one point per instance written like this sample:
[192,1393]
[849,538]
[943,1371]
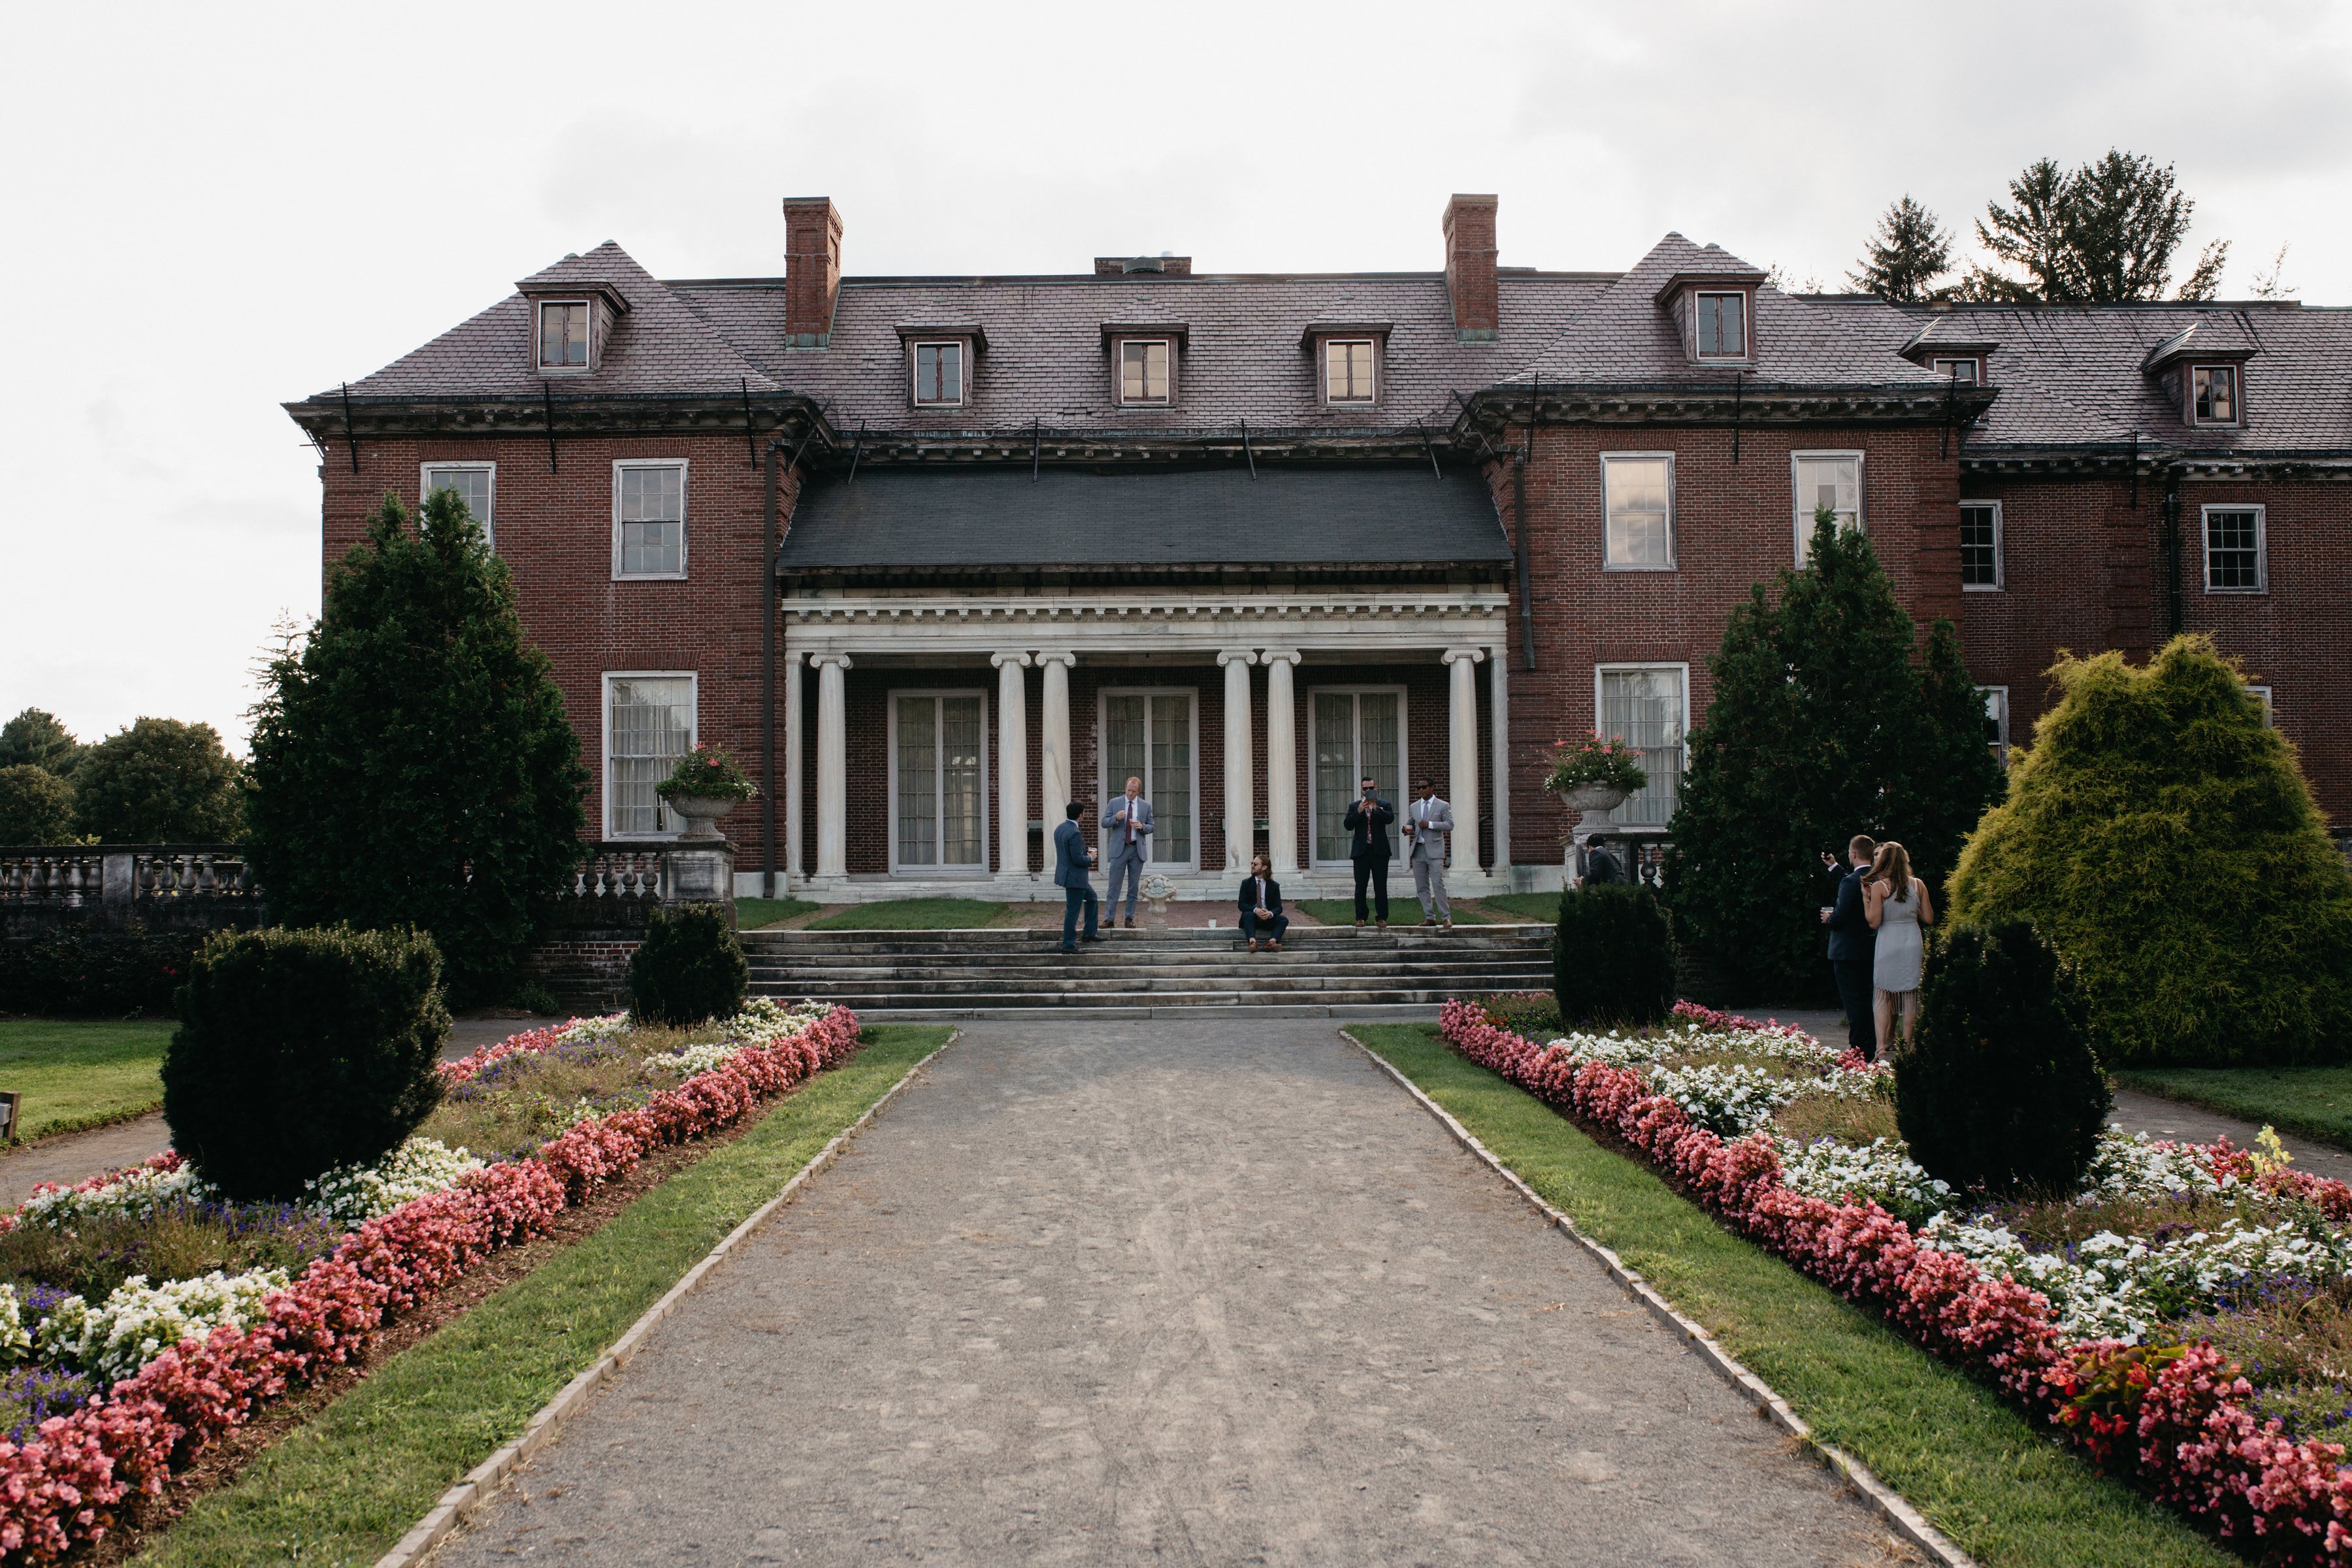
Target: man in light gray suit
[1426,824]
[1127,840]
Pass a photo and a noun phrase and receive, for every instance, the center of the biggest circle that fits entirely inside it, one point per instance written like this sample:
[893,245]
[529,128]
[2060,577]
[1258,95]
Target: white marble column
[1498,703]
[795,715]
[1281,760]
[832,765]
[1054,739]
[1461,753]
[1012,767]
[1241,797]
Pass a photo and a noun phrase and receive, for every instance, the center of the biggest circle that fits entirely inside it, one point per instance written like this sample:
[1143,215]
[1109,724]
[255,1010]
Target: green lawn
[913,914]
[1403,911]
[1540,908]
[76,1074]
[345,1486]
[2314,1101]
[750,914]
[1948,1444]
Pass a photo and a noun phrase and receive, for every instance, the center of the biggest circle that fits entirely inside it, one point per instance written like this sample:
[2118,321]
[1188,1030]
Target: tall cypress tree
[1823,725]
[412,765]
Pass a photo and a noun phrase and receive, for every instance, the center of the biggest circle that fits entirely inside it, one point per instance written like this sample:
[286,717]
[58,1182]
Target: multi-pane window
[563,335]
[1348,369]
[1143,370]
[939,373]
[1996,731]
[471,482]
[649,530]
[648,725]
[1148,735]
[1722,326]
[1638,495]
[940,776]
[1645,708]
[1981,562]
[2215,387]
[2262,695]
[1962,371]
[1832,479]
[2233,550]
[1358,734]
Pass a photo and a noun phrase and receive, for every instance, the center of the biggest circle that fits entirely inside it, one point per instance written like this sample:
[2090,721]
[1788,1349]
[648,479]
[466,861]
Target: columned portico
[1462,752]
[1054,734]
[832,766]
[1241,766]
[1281,760]
[1011,771]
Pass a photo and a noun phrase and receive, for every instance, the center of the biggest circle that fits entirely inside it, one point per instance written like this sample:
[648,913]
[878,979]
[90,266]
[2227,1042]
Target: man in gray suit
[1072,862]
[1127,834]
[1427,822]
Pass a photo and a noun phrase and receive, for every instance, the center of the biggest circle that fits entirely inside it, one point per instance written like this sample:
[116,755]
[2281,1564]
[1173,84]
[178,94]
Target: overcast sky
[216,210]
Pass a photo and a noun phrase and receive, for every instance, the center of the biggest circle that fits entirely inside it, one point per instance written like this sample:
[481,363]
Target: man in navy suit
[1852,944]
[1072,861]
[1366,823]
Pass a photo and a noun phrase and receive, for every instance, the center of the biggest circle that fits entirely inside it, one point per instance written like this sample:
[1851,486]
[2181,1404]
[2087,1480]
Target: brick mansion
[932,556]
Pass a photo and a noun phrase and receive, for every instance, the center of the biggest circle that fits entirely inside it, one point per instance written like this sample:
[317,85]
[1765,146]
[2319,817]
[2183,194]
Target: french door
[1356,735]
[938,782]
[1150,735]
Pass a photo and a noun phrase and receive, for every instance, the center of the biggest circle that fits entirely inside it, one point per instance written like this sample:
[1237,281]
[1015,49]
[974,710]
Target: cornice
[2152,462]
[1496,411]
[788,415]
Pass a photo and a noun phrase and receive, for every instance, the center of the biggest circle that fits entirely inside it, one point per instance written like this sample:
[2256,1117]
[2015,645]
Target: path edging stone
[1890,1504]
[484,1480]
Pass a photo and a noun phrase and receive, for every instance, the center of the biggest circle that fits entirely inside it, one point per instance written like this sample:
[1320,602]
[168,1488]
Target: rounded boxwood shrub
[1999,1091]
[690,968]
[1612,957]
[301,1050]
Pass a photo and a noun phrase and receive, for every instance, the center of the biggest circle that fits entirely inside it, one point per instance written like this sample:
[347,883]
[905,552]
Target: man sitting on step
[1261,904]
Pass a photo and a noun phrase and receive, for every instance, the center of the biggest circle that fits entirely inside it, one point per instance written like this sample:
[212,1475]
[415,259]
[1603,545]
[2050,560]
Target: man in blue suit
[1852,944]
[1072,862]
[1127,840]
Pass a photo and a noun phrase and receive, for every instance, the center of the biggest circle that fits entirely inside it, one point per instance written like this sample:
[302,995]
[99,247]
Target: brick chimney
[813,269]
[1470,268]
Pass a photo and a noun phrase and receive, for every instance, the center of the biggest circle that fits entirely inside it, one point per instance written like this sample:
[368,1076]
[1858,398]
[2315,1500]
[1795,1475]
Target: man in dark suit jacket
[1852,944]
[1260,891]
[1368,824]
[1072,861]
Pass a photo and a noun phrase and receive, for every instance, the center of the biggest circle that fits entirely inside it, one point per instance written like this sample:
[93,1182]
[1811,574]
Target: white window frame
[1609,565]
[1624,667]
[538,337]
[2000,555]
[1118,372]
[987,782]
[1949,367]
[2237,398]
[425,472]
[684,510]
[2270,712]
[1997,710]
[1801,517]
[915,375]
[1326,345]
[1746,325]
[605,717]
[1105,789]
[2261,543]
[1405,759]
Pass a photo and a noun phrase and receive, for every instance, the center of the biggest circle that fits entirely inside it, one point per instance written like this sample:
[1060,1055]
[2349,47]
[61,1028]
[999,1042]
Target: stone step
[887,1005]
[1475,984]
[994,937]
[1054,962]
[1363,1012]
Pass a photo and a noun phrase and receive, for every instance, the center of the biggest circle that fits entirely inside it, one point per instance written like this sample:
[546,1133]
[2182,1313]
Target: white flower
[1731,1100]
[354,1194]
[135,1194]
[140,1321]
[1884,1172]
[15,1341]
[692,1059]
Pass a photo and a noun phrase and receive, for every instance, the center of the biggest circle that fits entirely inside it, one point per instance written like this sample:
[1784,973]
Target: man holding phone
[1852,944]
[1368,822]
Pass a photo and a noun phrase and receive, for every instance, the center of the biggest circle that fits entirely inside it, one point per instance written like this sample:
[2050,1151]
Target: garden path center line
[1185,1292]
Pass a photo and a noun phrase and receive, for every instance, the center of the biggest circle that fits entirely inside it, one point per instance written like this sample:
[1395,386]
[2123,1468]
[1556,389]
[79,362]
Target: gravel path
[1173,1292]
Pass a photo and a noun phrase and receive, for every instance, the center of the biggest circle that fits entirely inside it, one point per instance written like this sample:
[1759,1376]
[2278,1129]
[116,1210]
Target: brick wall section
[588,971]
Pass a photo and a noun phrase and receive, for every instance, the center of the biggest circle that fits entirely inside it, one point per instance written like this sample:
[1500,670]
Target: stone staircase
[1321,971]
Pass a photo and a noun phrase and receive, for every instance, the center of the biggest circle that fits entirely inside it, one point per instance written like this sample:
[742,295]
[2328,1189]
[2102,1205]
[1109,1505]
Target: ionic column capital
[1236,655]
[1274,656]
[1001,660]
[1066,658]
[833,660]
[1473,655]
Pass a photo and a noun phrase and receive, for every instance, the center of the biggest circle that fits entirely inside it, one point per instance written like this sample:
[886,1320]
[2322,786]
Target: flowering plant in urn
[705,783]
[1593,763]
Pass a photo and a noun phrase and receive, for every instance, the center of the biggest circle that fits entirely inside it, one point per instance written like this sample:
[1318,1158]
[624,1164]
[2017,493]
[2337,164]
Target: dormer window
[1348,369]
[1722,325]
[563,334]
[2213,392]
[1962,371]
[1146,367]
[939,375]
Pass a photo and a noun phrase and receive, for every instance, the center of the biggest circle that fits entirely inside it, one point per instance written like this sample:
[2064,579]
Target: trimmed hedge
[689,969]
[1612,957]
[95,974]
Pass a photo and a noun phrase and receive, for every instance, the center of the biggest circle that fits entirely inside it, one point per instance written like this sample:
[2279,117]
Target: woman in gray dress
[1896,904]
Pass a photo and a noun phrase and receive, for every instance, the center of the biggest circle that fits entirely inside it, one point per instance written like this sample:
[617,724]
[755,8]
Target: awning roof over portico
[1079,520]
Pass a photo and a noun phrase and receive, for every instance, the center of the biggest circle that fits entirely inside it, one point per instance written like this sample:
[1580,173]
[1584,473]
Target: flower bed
[2116,1340]
[142,1381]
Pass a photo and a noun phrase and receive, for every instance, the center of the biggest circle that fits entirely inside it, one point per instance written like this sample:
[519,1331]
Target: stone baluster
[206,885]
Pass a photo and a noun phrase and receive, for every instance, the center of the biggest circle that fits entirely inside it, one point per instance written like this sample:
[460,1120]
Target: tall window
[564,336]
[939,373]
[1644,707]
[648,725]
[1995,700]
[2216,390]
[1348,371]
[1639,498]
[1722,326]
[939,771]
[1981,562]
[1832,479]
[1148,735]
[1143,370]
[2233,550]
[471,482]
[1357,734]
[649,519]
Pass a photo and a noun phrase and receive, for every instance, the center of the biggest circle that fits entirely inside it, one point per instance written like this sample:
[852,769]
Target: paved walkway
[1179,1293]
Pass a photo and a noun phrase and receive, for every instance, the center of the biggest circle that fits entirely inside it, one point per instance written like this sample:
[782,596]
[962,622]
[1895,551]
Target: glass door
[1356,735]
[938,782]
[1148,735]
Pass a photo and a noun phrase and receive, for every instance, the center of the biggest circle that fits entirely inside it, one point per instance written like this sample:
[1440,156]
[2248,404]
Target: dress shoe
[1128,922]
[1384,925]
[1449,925]
[1253,944]
[1090,938]
[1360,925]
[1429,923]
[1274,947]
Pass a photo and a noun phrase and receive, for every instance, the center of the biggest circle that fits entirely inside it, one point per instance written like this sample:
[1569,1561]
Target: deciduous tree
[2105,232]
[160,782]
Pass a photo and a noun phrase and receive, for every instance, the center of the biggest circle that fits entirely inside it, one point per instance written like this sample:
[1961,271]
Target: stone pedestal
[701,873]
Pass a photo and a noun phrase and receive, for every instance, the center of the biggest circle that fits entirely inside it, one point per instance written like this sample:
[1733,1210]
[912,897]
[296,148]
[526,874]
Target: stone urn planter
[1156,890]
[1593,803]
[702,812]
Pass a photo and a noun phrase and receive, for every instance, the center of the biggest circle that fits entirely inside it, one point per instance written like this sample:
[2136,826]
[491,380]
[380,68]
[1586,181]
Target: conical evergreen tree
[2165,839]
[1822,726]
[412,765]
[1906,255]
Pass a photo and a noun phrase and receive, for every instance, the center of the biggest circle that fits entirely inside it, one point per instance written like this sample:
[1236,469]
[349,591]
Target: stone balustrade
[125,876]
